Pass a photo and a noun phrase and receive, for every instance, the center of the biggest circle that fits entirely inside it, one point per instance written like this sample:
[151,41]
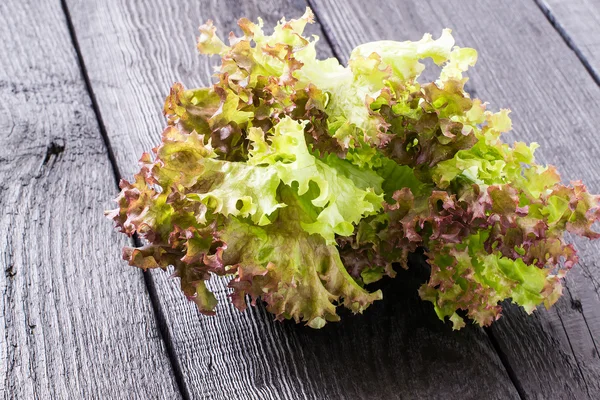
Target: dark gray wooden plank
[74,322]
[133,52]
[578,22]
[524,65]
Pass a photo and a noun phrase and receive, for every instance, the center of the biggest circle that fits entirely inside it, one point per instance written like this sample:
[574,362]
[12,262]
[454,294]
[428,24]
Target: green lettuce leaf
[297,274]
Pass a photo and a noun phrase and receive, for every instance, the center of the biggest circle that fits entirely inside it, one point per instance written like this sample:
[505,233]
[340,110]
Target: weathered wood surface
[74,322]
[577,21]
[133,51]
[524,65]
[77,323]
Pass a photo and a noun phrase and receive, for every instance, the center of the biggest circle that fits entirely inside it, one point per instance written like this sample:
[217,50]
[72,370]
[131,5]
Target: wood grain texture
[134,51]
[578,22]
[524,65]
[74,322]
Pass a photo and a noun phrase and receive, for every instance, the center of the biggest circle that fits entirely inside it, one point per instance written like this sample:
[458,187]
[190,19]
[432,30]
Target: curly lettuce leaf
[342,203]
[297,274]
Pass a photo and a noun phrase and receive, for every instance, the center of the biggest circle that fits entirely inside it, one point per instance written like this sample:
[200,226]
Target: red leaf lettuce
[304,180]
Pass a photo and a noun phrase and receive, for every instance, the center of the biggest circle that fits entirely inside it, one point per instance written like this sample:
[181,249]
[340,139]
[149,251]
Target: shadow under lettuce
[397,348]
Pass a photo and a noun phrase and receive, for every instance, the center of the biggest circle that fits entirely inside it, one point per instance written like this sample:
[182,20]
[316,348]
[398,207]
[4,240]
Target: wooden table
[81,89]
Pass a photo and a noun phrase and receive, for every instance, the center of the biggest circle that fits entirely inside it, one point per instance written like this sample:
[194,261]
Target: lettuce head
[303,181]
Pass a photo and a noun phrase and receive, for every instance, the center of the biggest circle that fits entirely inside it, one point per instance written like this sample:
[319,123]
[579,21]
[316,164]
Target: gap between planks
[135,241]
[567,39]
